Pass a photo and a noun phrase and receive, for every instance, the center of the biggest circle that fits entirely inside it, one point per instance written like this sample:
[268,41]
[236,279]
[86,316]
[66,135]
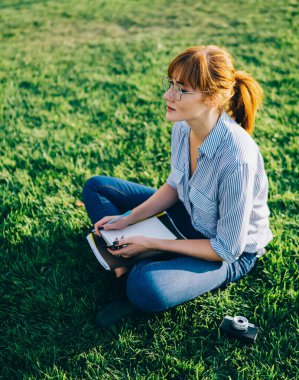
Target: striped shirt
[226,197]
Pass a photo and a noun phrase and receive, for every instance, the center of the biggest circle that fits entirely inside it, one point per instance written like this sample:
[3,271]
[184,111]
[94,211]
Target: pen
[120,216]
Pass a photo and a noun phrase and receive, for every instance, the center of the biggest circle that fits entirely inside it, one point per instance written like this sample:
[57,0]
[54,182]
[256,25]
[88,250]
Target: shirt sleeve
[235,207]
[170,180]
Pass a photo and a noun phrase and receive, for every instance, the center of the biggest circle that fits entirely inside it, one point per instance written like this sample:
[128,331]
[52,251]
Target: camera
[239,327]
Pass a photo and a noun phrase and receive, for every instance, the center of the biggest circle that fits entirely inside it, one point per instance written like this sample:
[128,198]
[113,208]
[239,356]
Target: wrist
[134,217]
[153,244]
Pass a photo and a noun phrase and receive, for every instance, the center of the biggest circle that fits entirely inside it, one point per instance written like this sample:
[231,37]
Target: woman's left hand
[135,246]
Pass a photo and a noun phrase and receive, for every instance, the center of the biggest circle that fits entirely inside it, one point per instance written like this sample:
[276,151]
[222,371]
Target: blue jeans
[156,285]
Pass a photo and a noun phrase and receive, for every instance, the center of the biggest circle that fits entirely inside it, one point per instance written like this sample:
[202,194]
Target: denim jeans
[154,284]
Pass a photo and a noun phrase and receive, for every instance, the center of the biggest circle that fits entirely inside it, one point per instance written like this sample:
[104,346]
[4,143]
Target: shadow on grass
[22,4]
[52,288]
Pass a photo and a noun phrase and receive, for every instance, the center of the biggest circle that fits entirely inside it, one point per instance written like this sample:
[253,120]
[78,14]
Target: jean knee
[89,186]
[143,291]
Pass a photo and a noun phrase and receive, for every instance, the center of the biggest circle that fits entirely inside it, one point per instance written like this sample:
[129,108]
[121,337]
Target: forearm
[198,248]
[165,197]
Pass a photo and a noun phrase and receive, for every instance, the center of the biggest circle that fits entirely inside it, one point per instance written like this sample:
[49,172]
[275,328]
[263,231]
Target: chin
[171,117]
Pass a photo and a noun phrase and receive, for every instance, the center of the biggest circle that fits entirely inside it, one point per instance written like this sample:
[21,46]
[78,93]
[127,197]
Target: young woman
[216,192]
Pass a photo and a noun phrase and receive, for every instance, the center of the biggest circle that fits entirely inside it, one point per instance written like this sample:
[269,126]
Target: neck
[203,124]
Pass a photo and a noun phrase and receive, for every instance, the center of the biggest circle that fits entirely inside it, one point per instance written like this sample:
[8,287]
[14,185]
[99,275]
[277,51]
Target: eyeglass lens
[167,84]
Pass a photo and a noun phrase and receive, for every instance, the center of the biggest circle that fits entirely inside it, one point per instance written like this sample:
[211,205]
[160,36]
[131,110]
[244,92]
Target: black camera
[239,327]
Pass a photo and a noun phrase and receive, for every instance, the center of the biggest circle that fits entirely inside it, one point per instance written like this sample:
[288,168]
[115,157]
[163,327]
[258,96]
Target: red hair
[211,68]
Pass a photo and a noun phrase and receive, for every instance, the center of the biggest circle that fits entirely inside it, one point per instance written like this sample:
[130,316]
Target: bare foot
[120,271]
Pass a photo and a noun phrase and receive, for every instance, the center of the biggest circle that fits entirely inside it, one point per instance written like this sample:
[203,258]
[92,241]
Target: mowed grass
[80,94]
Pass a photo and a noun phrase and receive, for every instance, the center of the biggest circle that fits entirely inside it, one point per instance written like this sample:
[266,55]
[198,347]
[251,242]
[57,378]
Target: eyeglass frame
[179,90]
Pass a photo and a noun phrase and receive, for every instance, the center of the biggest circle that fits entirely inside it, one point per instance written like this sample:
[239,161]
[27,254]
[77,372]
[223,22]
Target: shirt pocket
[205,211]
[177,176]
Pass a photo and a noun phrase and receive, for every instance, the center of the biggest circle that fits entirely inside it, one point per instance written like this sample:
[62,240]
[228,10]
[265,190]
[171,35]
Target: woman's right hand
[118,225]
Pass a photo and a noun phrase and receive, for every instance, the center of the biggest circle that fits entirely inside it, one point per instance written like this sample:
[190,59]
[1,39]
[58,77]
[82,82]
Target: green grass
[80,95]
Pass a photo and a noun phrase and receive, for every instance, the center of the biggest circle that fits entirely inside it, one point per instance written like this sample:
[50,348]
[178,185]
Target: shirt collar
[214,138]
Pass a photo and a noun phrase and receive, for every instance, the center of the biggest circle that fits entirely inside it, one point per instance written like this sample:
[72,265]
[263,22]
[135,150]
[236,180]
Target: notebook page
[151,227]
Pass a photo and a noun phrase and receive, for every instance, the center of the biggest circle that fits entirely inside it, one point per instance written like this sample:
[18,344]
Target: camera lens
[240,323]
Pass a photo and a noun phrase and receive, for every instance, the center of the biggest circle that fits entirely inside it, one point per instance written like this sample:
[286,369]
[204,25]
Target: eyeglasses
[176,90]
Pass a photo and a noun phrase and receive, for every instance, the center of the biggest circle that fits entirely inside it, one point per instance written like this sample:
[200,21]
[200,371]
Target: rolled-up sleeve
[170,180]
[235,206]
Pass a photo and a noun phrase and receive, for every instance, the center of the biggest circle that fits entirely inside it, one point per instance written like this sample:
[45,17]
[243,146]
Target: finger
[108,227]
[96,227]
[116,252]
[122,250]
[125,241]
[113,226]
[113,252]
[96,231]
[105,220]
[99,225]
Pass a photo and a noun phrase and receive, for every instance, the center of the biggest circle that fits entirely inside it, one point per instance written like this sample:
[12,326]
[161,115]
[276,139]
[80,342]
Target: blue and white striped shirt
[226,196]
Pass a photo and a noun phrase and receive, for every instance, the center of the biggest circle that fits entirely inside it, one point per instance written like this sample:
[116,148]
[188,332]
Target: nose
[169,95]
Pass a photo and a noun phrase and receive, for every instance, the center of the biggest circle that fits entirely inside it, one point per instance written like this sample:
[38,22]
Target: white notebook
[151,227]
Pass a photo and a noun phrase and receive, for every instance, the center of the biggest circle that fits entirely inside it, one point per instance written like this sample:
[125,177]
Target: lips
[170,108]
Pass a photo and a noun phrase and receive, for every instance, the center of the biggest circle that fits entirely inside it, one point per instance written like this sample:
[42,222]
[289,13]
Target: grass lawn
[80,94]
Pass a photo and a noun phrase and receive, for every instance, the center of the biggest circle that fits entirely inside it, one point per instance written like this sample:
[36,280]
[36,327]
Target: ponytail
[247,98]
